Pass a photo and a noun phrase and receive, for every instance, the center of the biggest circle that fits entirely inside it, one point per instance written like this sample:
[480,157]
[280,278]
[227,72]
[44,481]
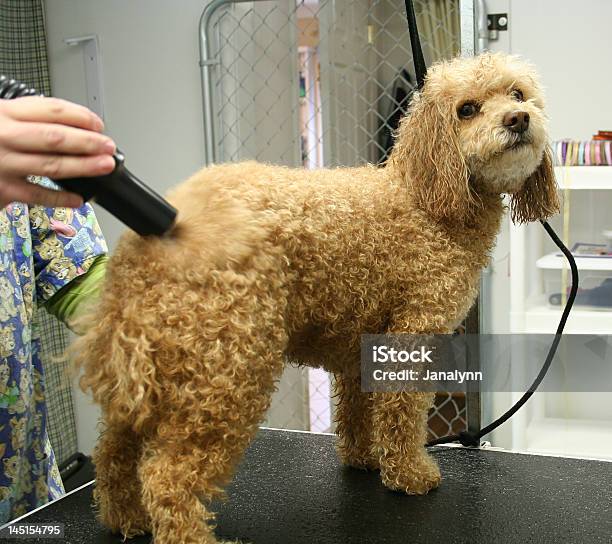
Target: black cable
[473,439]
[11,88]
[415,43]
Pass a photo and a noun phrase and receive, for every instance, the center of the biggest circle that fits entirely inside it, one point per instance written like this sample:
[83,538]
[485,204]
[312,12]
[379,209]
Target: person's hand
[52,138]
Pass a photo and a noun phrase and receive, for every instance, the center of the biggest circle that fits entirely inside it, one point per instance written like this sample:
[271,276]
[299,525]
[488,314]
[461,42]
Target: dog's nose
[516,121]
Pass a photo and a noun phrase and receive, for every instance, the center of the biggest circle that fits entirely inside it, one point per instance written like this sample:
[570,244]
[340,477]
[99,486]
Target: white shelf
[553,261]
[531,314]
[544,320]
[584,177]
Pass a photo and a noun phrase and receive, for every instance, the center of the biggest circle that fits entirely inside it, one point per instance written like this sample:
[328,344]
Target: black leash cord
[415,44]
[473,439]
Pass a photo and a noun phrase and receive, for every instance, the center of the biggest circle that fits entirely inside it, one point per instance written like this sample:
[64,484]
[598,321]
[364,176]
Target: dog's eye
[517,94]
[467,110]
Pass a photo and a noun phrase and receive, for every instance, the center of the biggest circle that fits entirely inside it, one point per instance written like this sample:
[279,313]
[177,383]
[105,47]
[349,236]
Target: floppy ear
[538,198]
[427,155]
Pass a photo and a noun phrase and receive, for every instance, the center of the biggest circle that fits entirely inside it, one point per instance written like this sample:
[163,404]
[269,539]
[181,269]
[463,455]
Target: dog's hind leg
[400,433]
[354,422]
[170,478]
[117,493]
[194,455]
[211,405]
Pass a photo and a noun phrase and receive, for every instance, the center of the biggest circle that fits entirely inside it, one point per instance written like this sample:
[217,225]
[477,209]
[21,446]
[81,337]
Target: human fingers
[51,110]
[55,166]
[53,138]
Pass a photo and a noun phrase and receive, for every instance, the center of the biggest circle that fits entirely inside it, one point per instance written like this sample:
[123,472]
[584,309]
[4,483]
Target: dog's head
[478,128]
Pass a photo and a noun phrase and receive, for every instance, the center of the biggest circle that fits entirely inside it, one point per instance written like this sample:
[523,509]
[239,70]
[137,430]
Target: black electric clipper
[120,192]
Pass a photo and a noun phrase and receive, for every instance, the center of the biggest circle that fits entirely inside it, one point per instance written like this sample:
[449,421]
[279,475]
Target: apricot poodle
[268,264]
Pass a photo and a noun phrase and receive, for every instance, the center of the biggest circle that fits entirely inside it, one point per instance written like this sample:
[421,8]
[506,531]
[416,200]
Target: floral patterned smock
[41,250]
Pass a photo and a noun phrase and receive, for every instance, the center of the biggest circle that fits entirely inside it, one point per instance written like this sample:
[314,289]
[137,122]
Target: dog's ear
[427,155]
[539,197]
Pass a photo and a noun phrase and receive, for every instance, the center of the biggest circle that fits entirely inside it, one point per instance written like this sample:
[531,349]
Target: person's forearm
[69,303]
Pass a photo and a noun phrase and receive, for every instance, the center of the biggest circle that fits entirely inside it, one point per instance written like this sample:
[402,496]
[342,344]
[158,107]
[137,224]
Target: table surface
[291,489]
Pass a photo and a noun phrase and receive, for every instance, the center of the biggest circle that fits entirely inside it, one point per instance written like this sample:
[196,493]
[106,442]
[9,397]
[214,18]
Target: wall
[151,85]
[570,45]
[568,41]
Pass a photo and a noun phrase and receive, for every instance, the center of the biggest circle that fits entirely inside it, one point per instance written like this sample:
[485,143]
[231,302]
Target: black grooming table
[291,489]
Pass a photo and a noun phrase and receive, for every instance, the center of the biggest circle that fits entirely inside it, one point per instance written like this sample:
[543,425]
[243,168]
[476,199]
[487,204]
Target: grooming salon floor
[290,489]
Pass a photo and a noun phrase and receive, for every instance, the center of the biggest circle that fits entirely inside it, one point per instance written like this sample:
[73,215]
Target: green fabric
[65,304]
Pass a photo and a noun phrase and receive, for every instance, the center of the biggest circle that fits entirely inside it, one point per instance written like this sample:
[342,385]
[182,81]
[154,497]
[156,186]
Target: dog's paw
[121,511]
[126,522]
[414,477]
[359,458]
[367,465]
[360,462]
[129,529]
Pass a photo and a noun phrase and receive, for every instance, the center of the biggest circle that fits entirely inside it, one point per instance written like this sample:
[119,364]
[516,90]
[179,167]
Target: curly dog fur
[268,263]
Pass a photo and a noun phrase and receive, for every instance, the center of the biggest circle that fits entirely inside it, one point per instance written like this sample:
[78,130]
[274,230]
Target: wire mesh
[61,422]
[320,83]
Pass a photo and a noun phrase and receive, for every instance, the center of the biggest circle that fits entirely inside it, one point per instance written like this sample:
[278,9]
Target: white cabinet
[563,423]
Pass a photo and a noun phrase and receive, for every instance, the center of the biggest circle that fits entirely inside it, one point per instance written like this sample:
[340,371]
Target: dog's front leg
[399,420]
[399,436]
[354,422]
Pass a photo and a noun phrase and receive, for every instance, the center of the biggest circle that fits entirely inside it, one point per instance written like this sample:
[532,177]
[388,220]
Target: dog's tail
[117,352]
[118,367]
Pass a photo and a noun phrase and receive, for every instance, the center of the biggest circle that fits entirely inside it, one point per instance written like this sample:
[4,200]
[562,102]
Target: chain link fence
[317,83]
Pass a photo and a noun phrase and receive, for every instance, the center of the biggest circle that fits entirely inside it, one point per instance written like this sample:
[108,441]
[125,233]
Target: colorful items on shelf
[603,135]
[596,152]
